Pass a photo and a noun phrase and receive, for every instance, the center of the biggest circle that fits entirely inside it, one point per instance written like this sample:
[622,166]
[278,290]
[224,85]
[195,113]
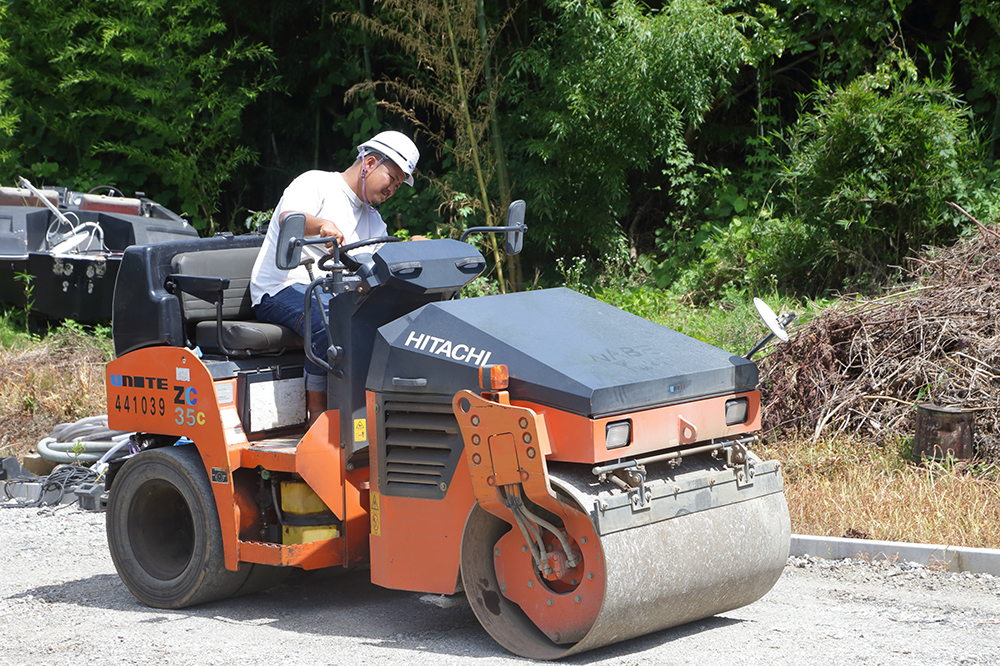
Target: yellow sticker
[360,430]
[376,527]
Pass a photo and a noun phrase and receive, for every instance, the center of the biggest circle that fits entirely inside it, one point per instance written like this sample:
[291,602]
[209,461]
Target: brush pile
[861,367]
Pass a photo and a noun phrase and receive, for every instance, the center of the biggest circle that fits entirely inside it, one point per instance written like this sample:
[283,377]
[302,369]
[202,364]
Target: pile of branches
[862,366]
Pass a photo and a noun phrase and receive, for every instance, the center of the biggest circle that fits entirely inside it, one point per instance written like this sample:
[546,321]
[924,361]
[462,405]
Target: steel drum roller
[655,575]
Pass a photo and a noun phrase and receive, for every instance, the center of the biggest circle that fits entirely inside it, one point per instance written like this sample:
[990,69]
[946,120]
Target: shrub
[871,169]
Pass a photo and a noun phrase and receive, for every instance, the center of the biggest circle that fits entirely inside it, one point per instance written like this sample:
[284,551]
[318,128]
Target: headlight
[618,434]
[736,411]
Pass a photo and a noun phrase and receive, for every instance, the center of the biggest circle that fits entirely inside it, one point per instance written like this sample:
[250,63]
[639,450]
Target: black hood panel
[562,349]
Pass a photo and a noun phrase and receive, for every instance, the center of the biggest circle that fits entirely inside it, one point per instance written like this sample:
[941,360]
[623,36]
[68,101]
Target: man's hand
[328,229]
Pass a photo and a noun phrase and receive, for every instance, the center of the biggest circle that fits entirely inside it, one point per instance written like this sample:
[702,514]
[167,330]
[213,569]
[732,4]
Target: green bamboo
[513,264]
[463,105]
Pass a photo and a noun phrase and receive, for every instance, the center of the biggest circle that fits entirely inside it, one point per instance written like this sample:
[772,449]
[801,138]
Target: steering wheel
[112,191]
[349,262]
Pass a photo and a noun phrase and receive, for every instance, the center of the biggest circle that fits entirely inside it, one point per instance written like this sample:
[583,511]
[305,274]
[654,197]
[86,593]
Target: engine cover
[563,350]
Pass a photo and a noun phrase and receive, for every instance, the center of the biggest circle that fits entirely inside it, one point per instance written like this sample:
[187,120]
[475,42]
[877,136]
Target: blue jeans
[287,308]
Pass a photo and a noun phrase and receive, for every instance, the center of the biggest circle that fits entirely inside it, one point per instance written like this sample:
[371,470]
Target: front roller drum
[627,583]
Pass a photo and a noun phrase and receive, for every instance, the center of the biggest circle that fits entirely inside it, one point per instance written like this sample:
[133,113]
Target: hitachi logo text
[440,346]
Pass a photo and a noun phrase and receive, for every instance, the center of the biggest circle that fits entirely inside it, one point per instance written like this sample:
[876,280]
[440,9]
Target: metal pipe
[23,182]
[571,559]
[597,471]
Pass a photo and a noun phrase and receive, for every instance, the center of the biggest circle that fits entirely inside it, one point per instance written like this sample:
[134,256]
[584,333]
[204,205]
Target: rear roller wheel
[163,531]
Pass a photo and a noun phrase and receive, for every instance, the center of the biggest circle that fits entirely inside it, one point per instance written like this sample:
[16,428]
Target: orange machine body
[416,542]
[411,543]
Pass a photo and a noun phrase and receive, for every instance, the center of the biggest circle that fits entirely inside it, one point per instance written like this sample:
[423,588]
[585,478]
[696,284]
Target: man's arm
[317,226]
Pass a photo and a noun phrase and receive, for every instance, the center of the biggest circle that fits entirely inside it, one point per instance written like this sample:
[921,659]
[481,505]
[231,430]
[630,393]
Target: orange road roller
[583,475]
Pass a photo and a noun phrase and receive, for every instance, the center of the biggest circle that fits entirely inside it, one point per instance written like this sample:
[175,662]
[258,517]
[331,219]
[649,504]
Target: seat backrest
[16,196]
[105,204]
[233,263]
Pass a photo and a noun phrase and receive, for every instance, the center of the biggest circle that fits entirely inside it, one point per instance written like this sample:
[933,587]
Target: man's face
[381,181]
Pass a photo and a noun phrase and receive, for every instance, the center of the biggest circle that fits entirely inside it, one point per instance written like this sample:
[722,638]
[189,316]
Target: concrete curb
[950,558]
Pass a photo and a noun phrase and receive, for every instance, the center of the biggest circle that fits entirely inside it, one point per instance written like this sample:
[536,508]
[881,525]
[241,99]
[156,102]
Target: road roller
[582,475]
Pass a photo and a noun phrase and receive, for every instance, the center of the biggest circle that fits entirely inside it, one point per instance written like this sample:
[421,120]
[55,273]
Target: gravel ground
[61,602]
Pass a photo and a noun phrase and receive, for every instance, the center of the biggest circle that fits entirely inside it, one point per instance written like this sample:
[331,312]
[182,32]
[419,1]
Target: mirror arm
[760,345]
[497,230]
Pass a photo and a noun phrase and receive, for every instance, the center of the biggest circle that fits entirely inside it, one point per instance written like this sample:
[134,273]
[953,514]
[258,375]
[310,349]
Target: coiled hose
[88,440]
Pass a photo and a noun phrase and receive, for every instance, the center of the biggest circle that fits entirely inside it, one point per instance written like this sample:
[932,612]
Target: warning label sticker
[376,527]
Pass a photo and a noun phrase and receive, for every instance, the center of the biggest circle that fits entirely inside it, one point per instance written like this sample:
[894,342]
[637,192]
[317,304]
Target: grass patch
[45,381]
[732,323]
[841,487]
[13,329]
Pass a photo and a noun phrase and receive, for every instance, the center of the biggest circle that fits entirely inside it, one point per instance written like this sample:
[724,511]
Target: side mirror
[514,239]
[771,320]
[288,254]
[774,323]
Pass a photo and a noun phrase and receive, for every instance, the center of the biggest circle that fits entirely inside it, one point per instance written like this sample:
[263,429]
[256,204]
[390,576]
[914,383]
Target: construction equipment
[60,250]
[583,474]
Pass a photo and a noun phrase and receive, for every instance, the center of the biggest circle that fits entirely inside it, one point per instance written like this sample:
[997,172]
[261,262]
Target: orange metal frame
[416,543]
[508,445]
[580,439]
[169,391]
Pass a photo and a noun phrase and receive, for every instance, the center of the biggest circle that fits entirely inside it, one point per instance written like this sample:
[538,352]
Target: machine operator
[339,205]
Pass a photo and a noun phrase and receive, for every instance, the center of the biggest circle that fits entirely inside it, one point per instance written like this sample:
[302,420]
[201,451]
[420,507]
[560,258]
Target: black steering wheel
[350,263]
[112,191]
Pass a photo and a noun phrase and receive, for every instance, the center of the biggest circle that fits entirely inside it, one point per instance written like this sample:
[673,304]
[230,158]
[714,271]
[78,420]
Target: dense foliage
[8,118]
[138,94]
[803,144]
[621,89]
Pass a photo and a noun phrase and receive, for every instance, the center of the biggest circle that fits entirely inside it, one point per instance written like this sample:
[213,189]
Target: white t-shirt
[324,194]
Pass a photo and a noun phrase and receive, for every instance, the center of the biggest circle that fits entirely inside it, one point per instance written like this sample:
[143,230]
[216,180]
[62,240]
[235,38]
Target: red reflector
[493,377]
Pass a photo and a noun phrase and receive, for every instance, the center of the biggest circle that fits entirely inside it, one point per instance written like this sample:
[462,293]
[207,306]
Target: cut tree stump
[942,433]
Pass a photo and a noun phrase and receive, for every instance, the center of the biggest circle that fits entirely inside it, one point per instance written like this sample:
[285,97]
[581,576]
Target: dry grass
[55,380]
[840,401]
[848,488]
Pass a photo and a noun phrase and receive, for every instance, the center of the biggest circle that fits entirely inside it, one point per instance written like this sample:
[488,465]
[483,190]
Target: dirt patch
[62,604]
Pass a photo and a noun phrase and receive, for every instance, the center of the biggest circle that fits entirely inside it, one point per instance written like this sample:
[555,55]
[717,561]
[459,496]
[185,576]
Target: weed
[257,220]
[77,448]
[25,278]
[17,318]
[573,271]
[481,286]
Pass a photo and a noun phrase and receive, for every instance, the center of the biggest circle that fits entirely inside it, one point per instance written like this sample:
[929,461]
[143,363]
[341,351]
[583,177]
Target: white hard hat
[398,148]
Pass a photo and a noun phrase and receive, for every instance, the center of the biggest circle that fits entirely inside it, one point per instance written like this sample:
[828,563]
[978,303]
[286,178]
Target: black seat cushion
[253,337]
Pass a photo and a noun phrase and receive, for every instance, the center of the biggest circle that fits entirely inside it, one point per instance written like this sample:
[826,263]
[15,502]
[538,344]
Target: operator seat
[223,319]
